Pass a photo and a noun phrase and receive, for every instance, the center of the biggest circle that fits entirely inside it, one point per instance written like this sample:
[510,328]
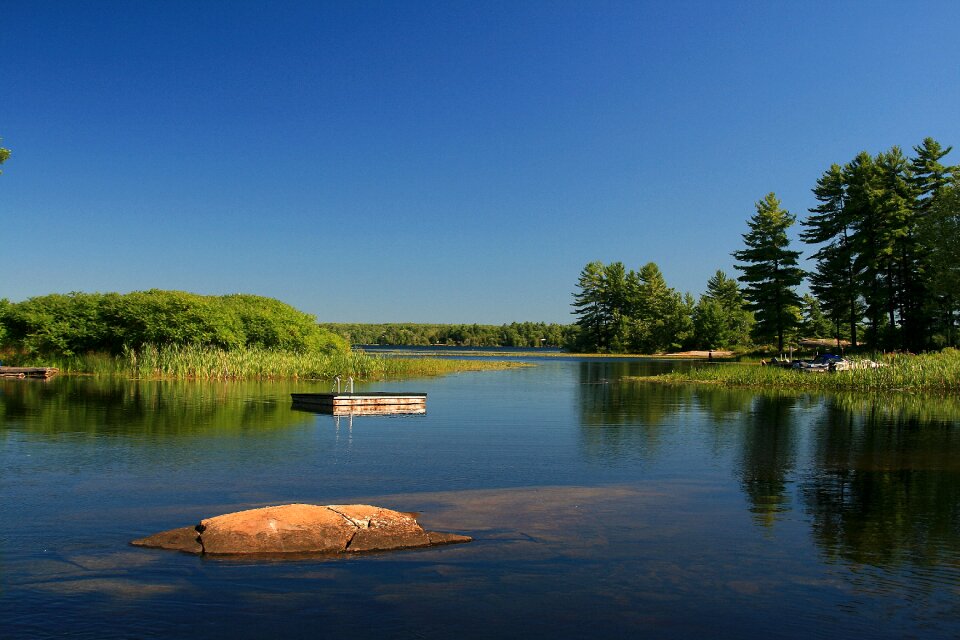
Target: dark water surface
[599,507]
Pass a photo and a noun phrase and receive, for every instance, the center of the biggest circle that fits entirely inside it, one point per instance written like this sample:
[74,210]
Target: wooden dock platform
[28,372]
[361,403]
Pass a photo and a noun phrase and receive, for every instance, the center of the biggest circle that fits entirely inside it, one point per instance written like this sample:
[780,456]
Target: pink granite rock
[301,528]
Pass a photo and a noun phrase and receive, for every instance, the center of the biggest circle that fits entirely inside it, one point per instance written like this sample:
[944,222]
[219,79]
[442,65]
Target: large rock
[301,528]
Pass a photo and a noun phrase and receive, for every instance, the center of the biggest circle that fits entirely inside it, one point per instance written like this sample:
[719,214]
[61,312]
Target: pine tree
[930,176]
[588,304]
[835,279]
[936,238]
[900,252]
[770,272]
[879,238]
[861,177]
[941,234]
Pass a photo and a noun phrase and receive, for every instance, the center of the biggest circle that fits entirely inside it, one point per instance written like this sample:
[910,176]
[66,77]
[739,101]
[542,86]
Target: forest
[516,334]
[885,242]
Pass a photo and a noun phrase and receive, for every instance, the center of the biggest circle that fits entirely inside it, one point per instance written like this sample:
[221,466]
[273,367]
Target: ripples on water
[599,507]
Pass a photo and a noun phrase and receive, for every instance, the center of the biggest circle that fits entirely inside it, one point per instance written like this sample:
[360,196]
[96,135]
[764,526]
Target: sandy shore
[698,354]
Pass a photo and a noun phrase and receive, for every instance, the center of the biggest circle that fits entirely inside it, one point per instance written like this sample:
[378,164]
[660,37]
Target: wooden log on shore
[28,372]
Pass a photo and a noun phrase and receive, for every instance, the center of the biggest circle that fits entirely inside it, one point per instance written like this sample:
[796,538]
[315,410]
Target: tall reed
[937,372]
[253,363]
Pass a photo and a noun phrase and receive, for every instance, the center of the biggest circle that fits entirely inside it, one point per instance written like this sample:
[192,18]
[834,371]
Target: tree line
[79,323]
[515,334]
[886,240]
[627,311]
[888,235]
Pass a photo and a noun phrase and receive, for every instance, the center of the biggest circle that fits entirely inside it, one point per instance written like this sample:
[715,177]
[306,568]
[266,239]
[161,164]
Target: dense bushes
[78,323]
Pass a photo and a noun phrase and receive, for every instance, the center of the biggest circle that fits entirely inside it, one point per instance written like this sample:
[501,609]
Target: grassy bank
[206,363]
[934,372]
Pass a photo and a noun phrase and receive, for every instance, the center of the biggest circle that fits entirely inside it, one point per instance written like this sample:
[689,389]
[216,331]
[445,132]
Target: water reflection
[878,476]
[104,406]
[768,455]
[595,501]
[621,419]
[885,485]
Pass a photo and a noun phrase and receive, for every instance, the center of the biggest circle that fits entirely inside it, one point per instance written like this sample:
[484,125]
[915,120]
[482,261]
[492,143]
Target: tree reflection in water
[119,407]
[878,475]
[884,488]
[623,419]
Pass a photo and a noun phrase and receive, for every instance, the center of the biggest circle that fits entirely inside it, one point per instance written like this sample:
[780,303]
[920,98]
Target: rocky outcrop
[301,528]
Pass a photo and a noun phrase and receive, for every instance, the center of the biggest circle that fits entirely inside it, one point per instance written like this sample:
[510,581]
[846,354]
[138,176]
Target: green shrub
[79,323]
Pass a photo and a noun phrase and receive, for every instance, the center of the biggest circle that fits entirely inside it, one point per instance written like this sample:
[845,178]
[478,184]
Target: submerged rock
[301,528]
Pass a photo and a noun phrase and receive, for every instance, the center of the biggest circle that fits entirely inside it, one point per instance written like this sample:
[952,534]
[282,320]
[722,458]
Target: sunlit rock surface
[301,528]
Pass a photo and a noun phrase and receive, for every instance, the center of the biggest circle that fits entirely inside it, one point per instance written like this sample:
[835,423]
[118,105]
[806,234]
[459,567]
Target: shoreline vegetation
[160,334]
[192,362]
[930,372]
[177,335]
[492,352]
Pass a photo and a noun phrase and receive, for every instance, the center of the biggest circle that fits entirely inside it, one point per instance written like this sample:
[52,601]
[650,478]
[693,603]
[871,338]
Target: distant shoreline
[493,352]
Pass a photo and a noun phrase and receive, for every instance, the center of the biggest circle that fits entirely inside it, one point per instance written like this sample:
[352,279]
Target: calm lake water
[600,507]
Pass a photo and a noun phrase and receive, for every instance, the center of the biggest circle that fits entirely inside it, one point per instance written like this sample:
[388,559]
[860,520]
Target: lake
[599,507]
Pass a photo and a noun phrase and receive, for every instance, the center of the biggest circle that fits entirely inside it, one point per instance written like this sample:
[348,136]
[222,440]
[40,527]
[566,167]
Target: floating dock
[361,403]
[28,372]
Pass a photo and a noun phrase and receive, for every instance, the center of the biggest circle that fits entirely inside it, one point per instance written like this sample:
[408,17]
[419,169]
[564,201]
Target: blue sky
[436,162]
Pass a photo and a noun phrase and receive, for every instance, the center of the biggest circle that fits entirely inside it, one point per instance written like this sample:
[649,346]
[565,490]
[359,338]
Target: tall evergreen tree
[841,302]
[936,238]
[660,318]
[930,176]
[879,230]
[589,304]
[835,279]
[861,176]
[770,271]
[900,252]
[616,301]
[941,233]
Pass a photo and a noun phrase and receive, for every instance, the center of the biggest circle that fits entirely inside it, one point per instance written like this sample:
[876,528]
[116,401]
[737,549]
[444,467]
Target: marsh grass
[934,372]
[206,363]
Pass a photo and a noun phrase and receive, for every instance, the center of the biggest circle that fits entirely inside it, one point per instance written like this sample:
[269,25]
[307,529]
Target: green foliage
[593,305]
[199,362]
[4,310]
[660,318]
[710,325]
[935,372]
[4,154]
[515,334]
[883,226]
[770,271]
[834,281]
[630,311]
[720,318]
[940,233]
[79,323]
[814,324]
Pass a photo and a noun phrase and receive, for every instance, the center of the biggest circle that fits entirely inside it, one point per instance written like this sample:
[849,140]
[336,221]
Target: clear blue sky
[436,162]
